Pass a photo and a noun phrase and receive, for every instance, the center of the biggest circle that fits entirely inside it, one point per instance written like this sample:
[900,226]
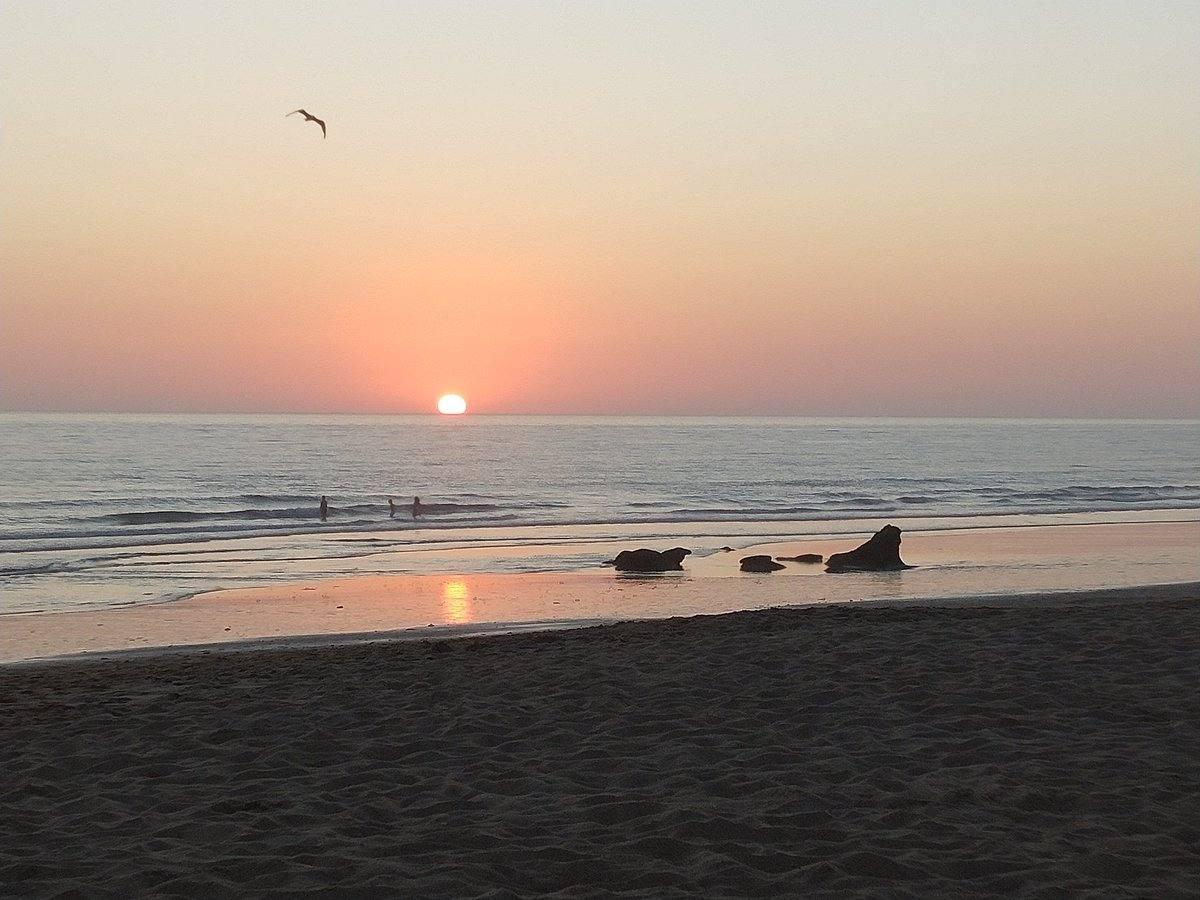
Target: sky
[888,208]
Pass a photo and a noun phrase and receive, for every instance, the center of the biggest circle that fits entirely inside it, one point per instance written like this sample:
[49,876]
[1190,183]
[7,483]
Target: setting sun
[451,405]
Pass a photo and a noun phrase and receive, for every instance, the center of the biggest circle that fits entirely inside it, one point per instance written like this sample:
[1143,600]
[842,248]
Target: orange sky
[620,208]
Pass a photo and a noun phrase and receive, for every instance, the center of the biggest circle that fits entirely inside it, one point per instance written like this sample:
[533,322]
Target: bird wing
[294,111]
[321,123]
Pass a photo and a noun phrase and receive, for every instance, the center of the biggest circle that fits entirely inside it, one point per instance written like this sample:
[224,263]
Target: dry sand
[825,751]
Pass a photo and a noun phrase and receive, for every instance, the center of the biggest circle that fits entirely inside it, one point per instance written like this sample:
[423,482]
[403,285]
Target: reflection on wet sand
[456,602]
[972,562]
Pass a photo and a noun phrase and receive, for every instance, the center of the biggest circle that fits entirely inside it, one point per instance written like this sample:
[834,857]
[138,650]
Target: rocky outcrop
[802,558]
[880,554]
[643,560]
[762,563]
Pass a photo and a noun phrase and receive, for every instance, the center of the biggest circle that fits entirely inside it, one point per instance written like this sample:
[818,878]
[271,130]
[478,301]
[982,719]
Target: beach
[613,449]
[1043,746]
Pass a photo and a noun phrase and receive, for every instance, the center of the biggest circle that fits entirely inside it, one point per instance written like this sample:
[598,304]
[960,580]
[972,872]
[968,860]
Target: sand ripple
[902,752]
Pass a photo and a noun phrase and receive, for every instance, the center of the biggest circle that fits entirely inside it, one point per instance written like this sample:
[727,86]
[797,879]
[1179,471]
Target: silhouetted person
[391,508]
[416,507]
[324,507]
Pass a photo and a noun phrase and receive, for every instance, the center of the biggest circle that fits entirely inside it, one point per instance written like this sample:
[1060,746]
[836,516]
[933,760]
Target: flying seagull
[308,117]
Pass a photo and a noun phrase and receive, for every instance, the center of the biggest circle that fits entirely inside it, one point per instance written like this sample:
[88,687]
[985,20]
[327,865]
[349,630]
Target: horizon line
[604,415]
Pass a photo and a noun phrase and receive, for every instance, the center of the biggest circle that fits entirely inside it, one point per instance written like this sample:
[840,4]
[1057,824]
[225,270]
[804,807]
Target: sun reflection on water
[456,602]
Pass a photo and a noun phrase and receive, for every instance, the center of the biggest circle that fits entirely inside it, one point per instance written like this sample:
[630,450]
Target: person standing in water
[391,508]
[324,507]
[416,507]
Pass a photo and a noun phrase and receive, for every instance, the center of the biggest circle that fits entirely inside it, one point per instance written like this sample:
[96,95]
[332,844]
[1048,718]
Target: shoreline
[1136,594]
[46,580]
[970,563]
[361,531]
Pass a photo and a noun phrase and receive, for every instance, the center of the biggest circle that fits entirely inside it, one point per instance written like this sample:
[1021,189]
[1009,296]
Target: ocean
[116,509]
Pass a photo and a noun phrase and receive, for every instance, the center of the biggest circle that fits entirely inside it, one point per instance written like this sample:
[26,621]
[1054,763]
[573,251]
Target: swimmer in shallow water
[416,507]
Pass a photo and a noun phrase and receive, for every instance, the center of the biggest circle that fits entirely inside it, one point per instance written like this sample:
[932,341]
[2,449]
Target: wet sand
[970,562]
[1046,748]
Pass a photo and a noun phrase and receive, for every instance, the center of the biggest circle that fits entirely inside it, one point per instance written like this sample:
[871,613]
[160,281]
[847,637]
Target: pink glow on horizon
[808,211]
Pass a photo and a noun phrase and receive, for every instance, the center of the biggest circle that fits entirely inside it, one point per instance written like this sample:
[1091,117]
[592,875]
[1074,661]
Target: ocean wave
[208,521]
[1085,496]
[309,511]
[289,507]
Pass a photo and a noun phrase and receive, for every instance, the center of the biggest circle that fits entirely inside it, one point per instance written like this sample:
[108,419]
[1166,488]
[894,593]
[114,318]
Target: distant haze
[720,208]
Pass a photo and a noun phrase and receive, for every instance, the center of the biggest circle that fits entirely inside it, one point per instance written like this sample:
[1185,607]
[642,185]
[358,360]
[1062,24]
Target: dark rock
[762,563]
[650,560]
[802,558]
[880,554]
